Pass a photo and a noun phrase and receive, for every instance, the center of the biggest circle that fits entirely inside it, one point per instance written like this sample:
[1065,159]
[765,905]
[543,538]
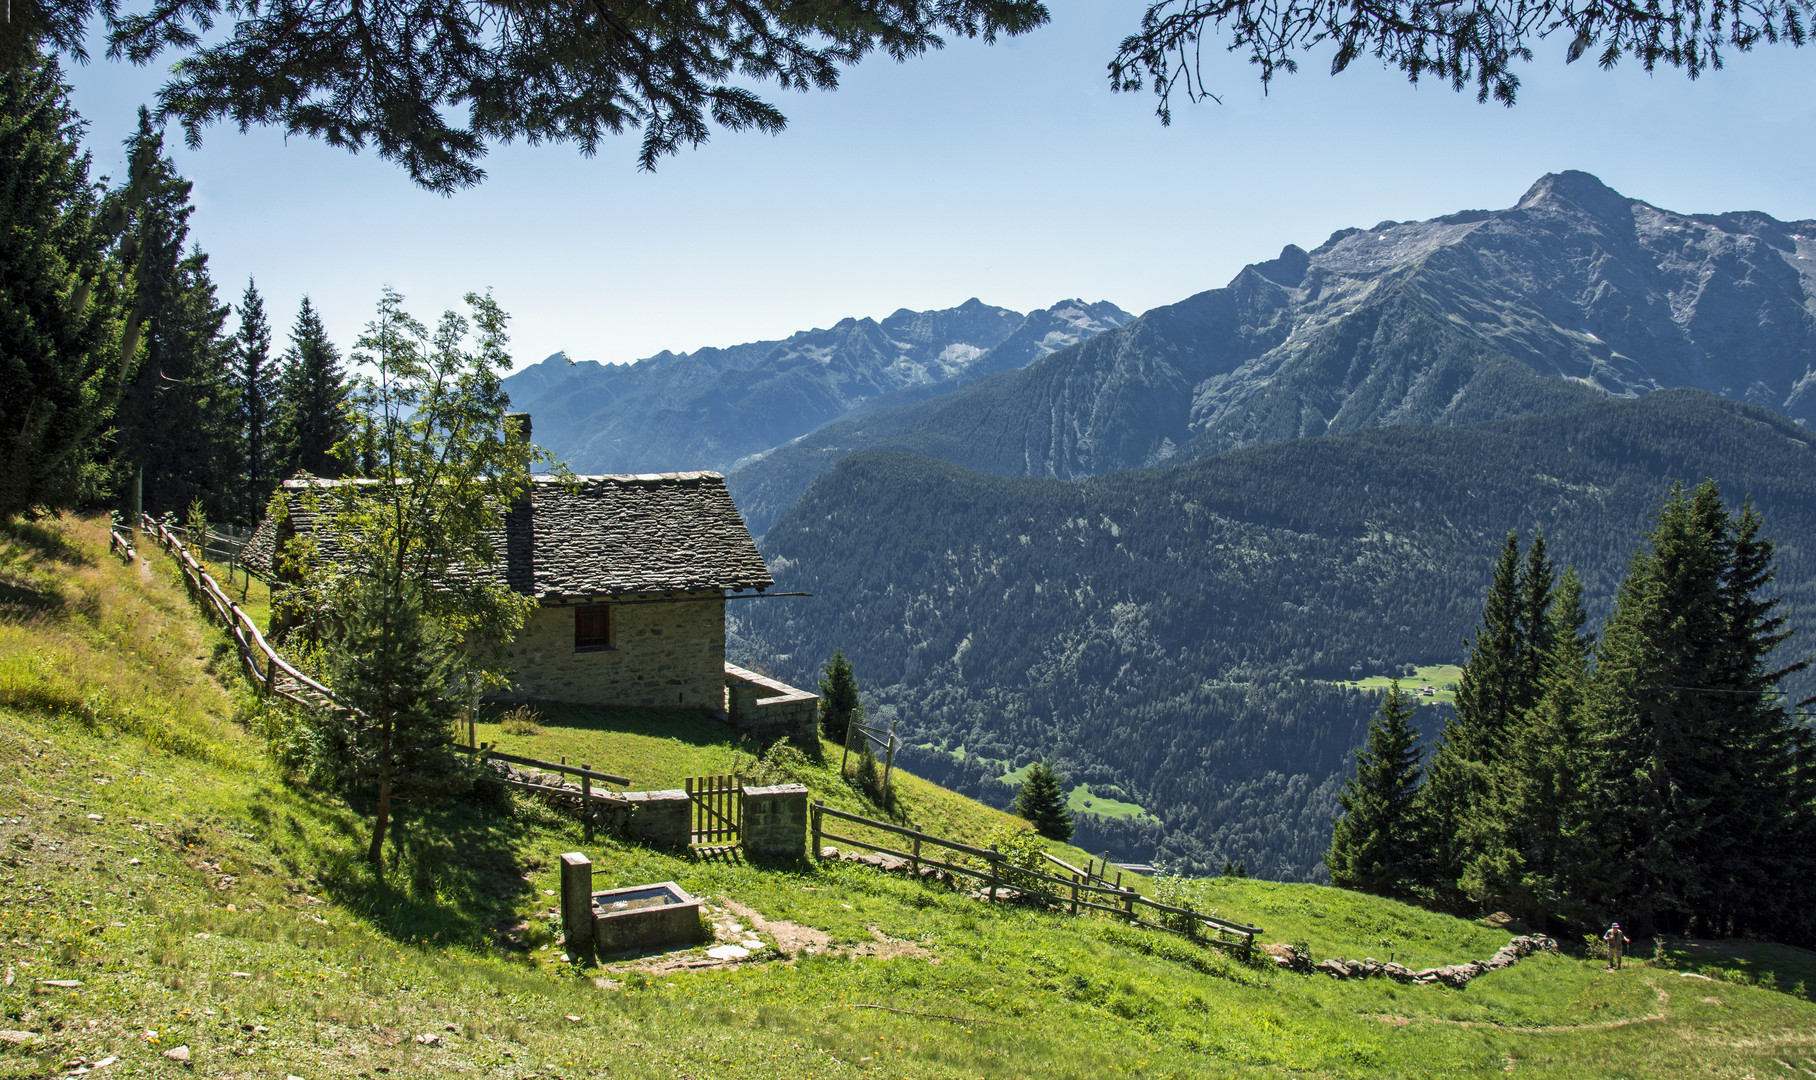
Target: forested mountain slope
[709,408]
[1150,629]
[1575,293]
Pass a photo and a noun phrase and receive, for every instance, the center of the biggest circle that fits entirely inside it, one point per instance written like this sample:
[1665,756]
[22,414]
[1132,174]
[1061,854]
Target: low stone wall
[775,821]
[660,818]
[768,709]
[1453,975]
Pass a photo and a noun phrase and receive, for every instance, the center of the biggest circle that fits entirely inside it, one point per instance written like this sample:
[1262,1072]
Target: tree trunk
[376,853]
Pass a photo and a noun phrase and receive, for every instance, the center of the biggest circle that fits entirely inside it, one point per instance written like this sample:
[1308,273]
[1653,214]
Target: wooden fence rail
[121,546]
[1076,892]
[267,670]
[585,772]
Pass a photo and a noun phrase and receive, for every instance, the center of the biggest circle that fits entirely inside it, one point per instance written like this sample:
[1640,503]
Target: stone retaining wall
[1453,975]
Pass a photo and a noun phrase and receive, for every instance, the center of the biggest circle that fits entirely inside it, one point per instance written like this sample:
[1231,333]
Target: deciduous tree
[406,556]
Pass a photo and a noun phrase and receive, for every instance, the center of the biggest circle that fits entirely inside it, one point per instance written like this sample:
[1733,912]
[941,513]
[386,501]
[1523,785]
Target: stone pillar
[775,821]
[576,900]
[741,697]
[661,818]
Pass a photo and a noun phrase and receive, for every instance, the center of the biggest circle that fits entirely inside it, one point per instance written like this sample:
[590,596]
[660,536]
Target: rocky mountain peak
[1580,190]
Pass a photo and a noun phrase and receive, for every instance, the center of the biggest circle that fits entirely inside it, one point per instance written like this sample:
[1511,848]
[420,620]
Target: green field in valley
[164,885]
[1442,678]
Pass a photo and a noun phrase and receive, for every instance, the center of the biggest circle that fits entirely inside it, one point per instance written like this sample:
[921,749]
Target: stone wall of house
[663,655]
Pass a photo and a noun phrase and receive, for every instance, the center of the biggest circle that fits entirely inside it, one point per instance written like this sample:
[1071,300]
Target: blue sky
[1010,173]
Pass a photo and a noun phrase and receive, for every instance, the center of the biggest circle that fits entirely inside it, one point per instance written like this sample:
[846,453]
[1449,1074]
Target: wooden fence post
[817,804]
[586,802]
[996,862]
[1128,901]
[1074,895]
[915,860]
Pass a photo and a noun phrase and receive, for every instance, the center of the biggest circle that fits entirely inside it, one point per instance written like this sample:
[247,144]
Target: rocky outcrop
[1455,976]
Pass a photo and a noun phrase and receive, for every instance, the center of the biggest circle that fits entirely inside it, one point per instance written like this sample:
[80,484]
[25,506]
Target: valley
[1193,635]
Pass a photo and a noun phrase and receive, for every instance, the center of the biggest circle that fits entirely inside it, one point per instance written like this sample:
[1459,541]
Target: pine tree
[313,415]
[1700,789]
[256,378]
[839,704]
[396,752]
[1042,801]
[60,323]
[1546,807]
[1376,844]
[179,416]
[865,776]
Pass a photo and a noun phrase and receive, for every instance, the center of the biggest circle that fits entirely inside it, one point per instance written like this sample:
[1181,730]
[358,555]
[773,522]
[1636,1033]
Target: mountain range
[1574,294]
[710,408]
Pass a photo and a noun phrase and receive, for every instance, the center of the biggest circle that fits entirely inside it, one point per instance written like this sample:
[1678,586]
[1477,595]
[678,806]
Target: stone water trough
[645,917]
[641,917]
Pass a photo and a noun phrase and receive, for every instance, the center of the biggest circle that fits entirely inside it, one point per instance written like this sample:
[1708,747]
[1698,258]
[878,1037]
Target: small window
[592,627]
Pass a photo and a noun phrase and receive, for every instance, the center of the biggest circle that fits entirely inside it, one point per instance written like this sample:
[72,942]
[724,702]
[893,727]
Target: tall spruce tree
[1042,801]
[1546,812]
[60,324]
[313,415]
[179,415]
[257,381]
[1378,843]
[1702,818]
[1466,795]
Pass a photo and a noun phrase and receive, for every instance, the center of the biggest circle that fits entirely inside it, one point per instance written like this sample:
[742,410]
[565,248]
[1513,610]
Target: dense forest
[1655,772]
[119,359]
[1170,632]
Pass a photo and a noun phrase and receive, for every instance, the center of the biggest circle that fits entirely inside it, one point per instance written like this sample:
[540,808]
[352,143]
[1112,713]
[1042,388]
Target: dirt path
[791,939]
[1664,999]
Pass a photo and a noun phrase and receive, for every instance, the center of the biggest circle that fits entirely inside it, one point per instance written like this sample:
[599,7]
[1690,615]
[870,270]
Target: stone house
[631,576]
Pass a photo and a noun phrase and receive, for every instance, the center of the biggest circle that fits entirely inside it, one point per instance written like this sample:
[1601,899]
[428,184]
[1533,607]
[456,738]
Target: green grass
[1082,800]
[239,869]
[1442,677]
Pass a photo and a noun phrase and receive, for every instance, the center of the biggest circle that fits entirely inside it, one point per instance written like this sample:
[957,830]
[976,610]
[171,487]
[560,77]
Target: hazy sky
[1010,173]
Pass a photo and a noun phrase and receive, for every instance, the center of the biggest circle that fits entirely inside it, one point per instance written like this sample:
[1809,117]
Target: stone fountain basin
[645,917]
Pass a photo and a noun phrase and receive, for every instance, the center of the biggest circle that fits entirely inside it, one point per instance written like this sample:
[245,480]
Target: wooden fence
[121,546]
[270,673]
[587,774]
[1077,893]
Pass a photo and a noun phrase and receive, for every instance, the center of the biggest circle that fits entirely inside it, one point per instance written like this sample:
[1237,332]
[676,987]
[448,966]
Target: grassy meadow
[1440,677]
[164,885]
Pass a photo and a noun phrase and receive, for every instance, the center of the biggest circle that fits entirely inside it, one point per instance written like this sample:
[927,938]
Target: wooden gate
[717,808]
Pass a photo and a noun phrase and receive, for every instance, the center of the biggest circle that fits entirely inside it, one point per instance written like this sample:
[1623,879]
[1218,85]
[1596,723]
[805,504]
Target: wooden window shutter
[593,626]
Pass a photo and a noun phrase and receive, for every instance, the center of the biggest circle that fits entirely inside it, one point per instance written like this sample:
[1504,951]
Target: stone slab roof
[593,537]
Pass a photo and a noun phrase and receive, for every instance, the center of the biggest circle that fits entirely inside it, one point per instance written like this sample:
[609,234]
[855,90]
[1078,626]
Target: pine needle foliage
[1042,801]
[1377,843]
[840,706]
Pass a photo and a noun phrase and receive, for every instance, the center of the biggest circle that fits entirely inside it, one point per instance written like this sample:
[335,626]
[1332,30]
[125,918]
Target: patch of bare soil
[734,923]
